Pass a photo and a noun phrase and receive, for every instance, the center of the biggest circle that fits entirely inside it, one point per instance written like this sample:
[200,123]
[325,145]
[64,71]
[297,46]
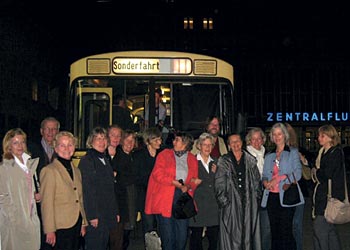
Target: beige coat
[19,222]
[61,197]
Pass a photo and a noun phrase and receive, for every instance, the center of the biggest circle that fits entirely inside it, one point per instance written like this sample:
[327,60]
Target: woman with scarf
[164,189]
[98,191]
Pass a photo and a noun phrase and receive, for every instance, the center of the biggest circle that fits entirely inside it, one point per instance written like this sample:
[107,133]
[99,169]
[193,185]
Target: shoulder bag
[291,192]
[337,212]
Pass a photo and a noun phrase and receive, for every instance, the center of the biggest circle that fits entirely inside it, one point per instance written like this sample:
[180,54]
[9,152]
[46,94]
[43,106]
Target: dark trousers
[325,235]
[281,224]
[196,237]
[97,238]
[116,237]
[69,239]
[43,244]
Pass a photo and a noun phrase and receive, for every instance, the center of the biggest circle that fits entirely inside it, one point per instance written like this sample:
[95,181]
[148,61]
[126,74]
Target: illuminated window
[188,23]
[208,23]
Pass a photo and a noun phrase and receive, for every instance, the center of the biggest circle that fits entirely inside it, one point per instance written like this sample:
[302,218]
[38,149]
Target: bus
[194,87]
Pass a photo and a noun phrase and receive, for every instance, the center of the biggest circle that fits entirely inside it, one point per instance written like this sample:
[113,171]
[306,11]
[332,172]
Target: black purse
[291,192]
[184,207]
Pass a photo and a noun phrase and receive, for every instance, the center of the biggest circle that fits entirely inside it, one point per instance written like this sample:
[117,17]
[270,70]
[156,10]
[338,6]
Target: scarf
[180,153]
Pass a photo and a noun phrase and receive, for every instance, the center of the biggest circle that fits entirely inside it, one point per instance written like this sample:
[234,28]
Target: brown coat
[61,197]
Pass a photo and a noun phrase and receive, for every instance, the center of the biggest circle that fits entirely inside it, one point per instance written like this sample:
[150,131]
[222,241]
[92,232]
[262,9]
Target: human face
[235,143]
[99,142]
[65,147]
[214,127]
[49,131]
[324,140]
[278,137]
[256,140]
[128,144]
[178,144]
[155,143]
[205,147]
[115,134]
[18,146]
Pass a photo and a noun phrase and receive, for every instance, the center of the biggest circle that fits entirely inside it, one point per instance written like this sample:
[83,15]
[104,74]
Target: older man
[49,127]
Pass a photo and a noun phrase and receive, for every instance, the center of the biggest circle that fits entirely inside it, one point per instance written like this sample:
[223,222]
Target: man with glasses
[49,128]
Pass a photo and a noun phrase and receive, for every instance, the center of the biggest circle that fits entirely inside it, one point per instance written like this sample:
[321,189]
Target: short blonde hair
[65,133]
[203,137]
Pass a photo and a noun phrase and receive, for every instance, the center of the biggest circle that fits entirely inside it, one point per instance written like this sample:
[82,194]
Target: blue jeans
[298,225]
[173,232]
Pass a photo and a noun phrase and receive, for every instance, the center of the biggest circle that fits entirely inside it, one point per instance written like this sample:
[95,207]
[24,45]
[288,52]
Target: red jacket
[160,191]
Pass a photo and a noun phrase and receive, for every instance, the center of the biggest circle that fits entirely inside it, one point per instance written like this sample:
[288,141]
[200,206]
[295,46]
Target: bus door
[95,106]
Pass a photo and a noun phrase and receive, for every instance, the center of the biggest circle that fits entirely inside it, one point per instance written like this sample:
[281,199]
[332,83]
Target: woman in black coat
[98,191]
[331,166]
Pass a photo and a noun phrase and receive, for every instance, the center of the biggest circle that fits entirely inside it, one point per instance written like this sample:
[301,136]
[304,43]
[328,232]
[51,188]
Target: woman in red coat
[164,189]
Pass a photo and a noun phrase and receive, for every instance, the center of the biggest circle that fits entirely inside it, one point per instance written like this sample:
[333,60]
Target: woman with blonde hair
[331,167]
[62,208]
[19,222]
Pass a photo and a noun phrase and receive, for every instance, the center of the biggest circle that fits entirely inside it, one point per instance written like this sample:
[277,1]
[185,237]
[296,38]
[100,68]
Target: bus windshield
[187,95]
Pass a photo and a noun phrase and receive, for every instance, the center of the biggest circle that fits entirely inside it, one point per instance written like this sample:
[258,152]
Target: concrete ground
[136,241]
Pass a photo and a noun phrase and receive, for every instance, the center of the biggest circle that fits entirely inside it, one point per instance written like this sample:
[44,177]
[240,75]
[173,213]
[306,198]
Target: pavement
[136,240]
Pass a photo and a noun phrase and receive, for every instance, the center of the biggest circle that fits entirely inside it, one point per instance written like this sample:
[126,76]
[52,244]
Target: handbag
[291,192]
[184,207]
[152,241]
[337,212]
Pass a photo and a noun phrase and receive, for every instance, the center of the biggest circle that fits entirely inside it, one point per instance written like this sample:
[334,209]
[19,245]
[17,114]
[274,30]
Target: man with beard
[213,128]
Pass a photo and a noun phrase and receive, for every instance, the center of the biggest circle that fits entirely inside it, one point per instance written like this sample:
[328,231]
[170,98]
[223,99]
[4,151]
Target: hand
[37,197]
[94,223]
[177,184]
[83,231]
[213,168]
[118,218]
[196,181]
[51,238]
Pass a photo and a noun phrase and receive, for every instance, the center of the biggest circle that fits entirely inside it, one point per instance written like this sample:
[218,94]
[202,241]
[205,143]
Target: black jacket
[331,167]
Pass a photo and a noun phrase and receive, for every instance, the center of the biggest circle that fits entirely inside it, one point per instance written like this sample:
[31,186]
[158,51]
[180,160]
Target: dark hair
[186,138]
[210,119]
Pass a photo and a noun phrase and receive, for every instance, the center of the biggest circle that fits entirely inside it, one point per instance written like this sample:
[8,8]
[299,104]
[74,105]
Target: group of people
[238,189]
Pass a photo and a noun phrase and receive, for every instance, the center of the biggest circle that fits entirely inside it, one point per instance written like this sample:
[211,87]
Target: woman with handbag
[330,167]
[164,189]
[282,168]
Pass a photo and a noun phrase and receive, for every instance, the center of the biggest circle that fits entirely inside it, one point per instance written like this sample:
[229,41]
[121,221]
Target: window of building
[188,23]
[208,23]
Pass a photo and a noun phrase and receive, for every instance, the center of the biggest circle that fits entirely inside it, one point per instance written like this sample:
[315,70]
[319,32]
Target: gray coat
[19,222]
[204,196]
[236,234]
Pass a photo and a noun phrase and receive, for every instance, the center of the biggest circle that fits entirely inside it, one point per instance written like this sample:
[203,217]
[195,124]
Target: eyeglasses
[50,129]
